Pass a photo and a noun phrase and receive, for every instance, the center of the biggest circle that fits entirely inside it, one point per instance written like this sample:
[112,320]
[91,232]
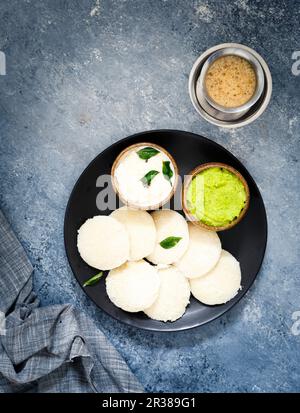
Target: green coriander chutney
[216,196]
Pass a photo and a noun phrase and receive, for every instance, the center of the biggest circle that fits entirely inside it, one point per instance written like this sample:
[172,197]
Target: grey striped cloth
[50,349]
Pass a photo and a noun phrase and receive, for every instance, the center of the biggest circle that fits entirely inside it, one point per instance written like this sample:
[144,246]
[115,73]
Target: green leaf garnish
[147,153]
[93,280]
[169,242]
[147,179]
[167,171]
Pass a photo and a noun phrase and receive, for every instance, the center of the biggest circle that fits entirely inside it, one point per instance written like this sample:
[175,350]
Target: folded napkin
[50,349]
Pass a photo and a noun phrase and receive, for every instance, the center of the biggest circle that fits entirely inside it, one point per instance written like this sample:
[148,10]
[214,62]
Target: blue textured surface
[83,74]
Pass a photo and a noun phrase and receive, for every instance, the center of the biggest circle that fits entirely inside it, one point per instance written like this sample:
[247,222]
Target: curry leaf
[147,153]
[93,280]
[167,171]
[169,242]
[147,179]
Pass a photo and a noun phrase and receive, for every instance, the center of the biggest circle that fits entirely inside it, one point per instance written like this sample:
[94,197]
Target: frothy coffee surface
[230,81]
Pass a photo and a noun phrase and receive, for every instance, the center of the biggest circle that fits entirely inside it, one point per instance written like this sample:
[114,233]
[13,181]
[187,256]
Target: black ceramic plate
[246,241]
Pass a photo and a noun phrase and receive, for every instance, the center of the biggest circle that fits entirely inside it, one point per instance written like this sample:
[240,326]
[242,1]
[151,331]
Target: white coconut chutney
[129,174]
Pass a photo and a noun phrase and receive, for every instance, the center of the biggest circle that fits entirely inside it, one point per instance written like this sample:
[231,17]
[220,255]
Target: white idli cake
[134,286]
[103,242]
[172,237]
[173,296]
[219,285]
[141,231]
[202,254]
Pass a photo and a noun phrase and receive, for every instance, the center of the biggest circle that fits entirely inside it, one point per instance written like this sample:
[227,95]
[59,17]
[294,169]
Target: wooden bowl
[115,183]
[187,182]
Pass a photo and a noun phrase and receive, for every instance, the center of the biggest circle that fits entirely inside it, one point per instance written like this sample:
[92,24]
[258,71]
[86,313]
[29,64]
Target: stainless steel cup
[230,117]
[221,112]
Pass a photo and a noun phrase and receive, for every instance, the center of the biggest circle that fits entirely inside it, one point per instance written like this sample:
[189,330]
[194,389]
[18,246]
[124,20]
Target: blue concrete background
[83,74]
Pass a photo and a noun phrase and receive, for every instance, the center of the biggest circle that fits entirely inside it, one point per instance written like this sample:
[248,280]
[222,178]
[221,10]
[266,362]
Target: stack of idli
[173,295]
[106,242]
[129,243]
[214,274]
[220,284]
[156,260]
